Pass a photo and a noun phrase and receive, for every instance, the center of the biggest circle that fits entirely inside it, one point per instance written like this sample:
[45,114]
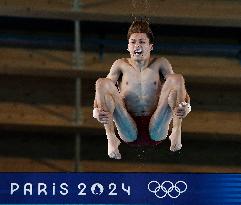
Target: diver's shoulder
[117,63]
[120,61]
[124,60]
[157,61]
[162,62]
[161,59]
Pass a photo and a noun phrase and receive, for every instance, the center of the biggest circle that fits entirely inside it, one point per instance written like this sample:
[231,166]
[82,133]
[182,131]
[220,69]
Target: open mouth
[138,51]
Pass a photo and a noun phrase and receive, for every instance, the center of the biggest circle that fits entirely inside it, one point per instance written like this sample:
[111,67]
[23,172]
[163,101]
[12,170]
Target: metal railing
[78,64]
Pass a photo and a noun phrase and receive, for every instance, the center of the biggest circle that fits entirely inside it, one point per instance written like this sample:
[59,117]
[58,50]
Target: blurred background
[53,51]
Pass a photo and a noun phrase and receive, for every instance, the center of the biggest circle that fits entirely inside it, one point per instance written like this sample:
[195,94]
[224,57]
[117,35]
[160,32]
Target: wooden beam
[176,12]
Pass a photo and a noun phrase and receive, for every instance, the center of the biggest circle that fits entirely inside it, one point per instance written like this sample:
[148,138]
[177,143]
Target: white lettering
[28,187]
[54,190]
[128,190]
[14,187]
[64,188]
[42,188]
[82,187]
[112,187]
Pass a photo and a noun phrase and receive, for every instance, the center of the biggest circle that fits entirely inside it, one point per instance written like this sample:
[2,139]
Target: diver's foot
[175,138]
[115,154]
[113,144]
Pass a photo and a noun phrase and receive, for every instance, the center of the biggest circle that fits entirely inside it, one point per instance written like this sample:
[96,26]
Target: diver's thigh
[126,126]
[159,123]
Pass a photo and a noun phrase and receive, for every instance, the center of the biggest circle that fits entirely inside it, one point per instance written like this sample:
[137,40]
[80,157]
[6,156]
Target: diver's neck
[140,64]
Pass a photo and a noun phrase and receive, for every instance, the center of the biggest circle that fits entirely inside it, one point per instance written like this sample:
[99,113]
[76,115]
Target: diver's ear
[127,49]
[151,47]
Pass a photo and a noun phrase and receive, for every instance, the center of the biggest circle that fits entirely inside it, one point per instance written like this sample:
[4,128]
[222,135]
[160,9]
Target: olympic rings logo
[167,188]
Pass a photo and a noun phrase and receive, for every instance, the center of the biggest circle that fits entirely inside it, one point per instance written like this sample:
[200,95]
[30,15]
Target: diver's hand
[182,110]
[101,115]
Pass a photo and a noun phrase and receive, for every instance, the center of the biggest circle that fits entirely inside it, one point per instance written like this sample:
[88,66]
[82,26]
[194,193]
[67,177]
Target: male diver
[141,95]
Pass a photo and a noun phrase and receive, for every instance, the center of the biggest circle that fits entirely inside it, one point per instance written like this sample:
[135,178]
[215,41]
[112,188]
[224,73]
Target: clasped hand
[182,110]
[101,115]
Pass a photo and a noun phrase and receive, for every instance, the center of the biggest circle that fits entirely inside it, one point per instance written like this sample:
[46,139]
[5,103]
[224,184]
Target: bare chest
[145,79]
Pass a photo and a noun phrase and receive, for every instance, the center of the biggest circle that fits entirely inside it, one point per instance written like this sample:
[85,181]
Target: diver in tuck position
[148,97]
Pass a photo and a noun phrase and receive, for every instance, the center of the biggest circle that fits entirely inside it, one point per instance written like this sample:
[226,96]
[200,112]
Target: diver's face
[139,46]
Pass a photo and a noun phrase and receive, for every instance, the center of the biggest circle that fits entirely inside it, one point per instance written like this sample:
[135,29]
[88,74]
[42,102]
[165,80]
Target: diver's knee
[103,83]
[99,82]
[175,79]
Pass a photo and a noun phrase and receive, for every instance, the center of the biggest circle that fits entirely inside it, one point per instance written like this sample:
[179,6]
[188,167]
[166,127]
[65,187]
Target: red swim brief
[143,137]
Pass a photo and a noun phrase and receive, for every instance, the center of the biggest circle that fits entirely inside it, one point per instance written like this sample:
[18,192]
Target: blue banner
[120,188]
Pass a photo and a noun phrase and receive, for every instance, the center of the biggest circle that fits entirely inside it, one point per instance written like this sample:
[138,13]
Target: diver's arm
[165,67]
[115,71]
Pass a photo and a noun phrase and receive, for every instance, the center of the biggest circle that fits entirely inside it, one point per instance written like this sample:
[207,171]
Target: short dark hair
[141,26]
